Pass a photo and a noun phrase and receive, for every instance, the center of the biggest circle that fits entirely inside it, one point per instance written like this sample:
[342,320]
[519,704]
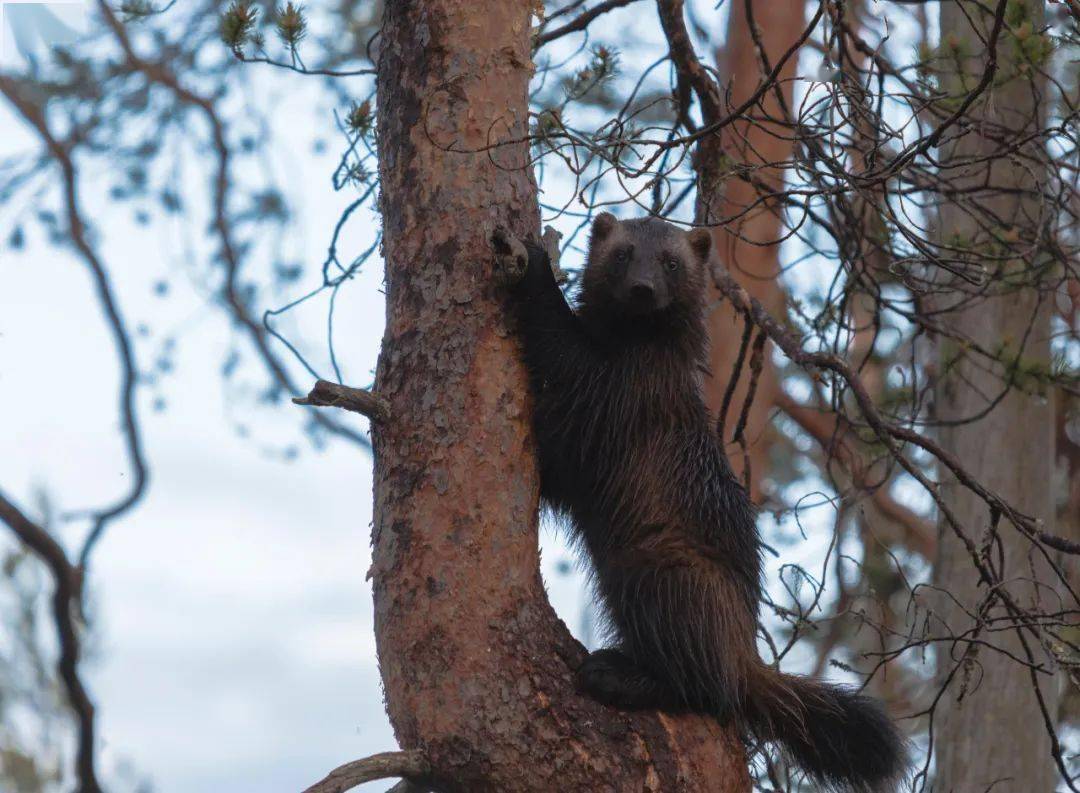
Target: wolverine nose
[642,295]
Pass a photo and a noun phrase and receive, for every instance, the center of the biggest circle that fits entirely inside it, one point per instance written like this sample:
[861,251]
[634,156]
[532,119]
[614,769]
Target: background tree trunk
[478,670]
[722,195]
[1010,450]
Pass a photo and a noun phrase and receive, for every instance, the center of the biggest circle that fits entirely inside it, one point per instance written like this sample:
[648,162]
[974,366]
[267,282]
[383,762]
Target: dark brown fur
[628,457]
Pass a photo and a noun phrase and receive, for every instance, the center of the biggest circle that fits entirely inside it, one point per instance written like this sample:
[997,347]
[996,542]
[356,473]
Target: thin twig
[580,22]
[733,380]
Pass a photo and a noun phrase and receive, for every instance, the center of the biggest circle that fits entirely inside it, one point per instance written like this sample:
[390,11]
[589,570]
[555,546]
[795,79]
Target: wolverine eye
[671,263]
[622,256]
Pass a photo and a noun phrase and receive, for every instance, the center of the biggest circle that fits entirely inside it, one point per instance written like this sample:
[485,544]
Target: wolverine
[630,461]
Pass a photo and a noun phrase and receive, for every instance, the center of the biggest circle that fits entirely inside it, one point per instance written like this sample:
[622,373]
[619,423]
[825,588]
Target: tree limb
[691,72]
[410,764]
[67,582]
[34,115]
[580,22]
[335,395]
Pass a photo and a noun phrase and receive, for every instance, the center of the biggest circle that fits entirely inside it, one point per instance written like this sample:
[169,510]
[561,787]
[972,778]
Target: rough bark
[721,195]
[477,669]
[1010,451]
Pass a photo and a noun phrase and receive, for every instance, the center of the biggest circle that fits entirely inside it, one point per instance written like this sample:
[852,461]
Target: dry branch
[67,586]
[578,23]
[60,151]
[335,395]
[411,765]
[692,74]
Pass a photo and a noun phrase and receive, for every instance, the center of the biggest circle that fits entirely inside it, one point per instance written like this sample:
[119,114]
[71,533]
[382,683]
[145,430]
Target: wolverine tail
[843,740]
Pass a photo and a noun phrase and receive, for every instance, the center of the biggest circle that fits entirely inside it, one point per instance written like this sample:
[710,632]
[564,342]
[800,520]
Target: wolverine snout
[642,295]
[643,289]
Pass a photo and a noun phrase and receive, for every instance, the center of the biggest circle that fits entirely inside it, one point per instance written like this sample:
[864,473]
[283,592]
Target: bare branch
[410,764]
[67,587]
[691,72]
[580,22]
[319,72]
[34,115]
[366,403]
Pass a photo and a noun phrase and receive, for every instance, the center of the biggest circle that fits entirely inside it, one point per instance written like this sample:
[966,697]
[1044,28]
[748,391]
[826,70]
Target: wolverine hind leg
[688,626]
[611,677]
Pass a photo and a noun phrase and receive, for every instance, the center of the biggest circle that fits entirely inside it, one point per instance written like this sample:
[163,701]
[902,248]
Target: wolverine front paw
[511,257]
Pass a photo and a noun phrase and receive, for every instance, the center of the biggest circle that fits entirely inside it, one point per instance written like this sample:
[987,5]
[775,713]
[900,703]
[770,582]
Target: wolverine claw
[511,257]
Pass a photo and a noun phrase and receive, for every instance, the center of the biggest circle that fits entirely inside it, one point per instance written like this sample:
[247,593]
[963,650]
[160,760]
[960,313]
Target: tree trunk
[1009,450]
[477,669]
[721,195]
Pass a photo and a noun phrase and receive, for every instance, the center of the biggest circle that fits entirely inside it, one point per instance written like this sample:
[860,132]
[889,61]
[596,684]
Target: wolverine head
[644,267]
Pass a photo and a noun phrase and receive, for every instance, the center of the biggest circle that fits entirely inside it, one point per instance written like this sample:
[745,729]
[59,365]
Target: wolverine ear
[701,241]
[602,226]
